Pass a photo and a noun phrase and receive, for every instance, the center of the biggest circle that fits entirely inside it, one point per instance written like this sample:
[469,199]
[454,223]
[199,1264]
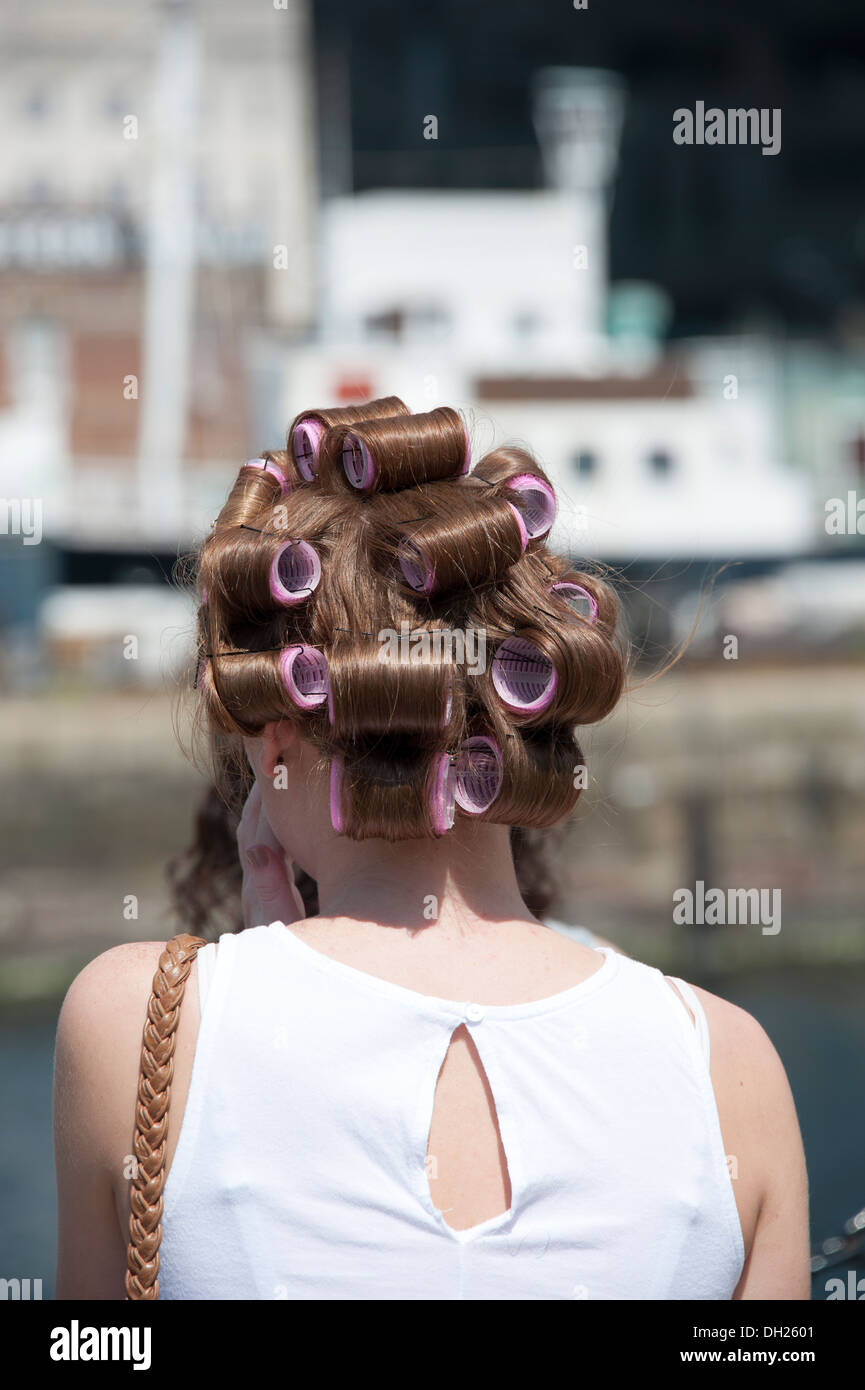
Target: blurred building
[500,302]
[175,289]
[157,213]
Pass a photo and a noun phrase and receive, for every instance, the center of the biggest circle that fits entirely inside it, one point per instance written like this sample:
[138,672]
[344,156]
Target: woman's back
[568,1147]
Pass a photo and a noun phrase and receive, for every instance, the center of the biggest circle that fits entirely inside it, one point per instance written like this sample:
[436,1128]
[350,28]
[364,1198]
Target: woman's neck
[463,880]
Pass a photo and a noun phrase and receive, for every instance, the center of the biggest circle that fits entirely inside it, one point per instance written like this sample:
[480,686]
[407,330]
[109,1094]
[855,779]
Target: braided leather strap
[151,1115]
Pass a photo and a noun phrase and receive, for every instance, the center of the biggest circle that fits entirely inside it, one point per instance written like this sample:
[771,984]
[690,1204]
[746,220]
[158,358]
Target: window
[660,462]
[585,463]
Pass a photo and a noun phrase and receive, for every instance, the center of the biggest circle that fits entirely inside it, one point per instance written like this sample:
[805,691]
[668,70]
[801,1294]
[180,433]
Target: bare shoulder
[747,1072]
[96,1063]
[764,1150]
[739,1044]
[99,1044]
[103,986]
[107,1001]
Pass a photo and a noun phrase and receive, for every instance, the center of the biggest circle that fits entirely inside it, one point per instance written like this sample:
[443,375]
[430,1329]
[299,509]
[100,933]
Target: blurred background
[213,215]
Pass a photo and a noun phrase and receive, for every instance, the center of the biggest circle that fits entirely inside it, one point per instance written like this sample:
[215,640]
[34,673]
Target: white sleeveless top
[300,1167]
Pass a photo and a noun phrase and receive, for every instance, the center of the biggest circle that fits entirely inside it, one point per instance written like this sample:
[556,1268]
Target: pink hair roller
[304,671]
[573,594]
[357,463]
[524,678]
[539,503]
[305,444]
[295,572]
[417,569]
[479,773]
[336,793]
[521,522]
[442,802]
[268,466]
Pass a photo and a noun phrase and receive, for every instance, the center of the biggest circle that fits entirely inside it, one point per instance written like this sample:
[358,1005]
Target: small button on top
[474,1013]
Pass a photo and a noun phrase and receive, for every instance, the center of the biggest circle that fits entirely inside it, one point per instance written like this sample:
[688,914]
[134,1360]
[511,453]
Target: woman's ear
[277,739]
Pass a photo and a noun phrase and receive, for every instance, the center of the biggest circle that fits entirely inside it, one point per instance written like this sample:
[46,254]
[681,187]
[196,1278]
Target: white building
[498,304]
[157,212]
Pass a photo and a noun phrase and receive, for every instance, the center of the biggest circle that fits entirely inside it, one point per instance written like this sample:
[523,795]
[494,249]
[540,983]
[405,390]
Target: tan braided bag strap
[151,1115]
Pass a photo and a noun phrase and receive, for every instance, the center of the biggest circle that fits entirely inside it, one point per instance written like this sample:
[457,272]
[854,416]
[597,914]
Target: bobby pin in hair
[250,651]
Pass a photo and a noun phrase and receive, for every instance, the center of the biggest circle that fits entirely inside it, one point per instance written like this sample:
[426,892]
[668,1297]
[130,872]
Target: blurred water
[815,1018]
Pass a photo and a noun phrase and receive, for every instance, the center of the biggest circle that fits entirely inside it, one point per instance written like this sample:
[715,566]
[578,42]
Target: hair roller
[469,541]
[305,675]
[600,606]
[248,572]
[336,818]
[387,454]
[539,782]
[537,502]
[256,687]
[267,465]
[523,676]
[259,486]
[564,673]
[210,697]
[504,464]
[294,572]
[478,774]
[307,429]
[576,598]
[389,789]
[401,686]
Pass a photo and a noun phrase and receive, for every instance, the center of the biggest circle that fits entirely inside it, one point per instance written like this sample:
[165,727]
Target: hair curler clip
[295,572]
[268,466]
[539,503]
[442,796]
[478,774]
[578,599]
[305,445]
[304,672]
[521,522]
[524,678]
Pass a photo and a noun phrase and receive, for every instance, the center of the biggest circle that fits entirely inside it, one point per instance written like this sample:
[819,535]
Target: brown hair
[388,717]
